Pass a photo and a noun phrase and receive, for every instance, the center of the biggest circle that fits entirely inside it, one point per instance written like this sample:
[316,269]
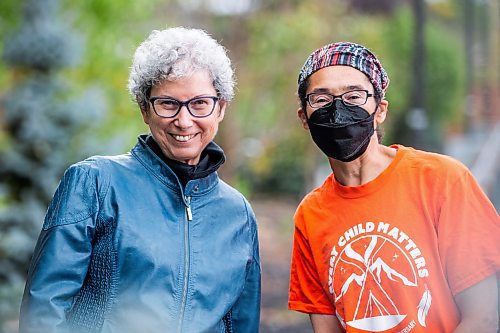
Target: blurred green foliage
[446,72]
[10,12]
[41,128]
[445,75]
[112,31]
[268,46]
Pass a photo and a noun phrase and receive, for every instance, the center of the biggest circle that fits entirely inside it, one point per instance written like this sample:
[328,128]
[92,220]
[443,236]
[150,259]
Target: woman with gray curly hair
[153,240]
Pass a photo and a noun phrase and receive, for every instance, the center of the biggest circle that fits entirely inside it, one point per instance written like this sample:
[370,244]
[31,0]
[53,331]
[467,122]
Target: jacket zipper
[189,217]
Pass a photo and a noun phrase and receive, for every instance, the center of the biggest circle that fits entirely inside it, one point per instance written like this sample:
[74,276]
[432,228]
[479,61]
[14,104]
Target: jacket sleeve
[246,312]
[62,254]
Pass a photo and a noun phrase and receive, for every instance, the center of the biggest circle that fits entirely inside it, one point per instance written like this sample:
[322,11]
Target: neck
[365,168]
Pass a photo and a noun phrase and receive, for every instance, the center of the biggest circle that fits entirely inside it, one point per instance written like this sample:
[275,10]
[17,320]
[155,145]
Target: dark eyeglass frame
[181,104]
[341,96]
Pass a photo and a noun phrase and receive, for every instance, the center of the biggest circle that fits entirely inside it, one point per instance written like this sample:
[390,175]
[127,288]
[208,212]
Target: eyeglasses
[349,98]
[198,107]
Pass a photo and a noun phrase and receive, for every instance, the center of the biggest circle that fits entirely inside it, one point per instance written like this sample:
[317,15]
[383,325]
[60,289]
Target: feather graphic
[423,306]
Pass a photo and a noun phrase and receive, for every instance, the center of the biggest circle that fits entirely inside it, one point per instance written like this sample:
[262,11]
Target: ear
[383,108]
[144,112]
[222,109]
[302,117]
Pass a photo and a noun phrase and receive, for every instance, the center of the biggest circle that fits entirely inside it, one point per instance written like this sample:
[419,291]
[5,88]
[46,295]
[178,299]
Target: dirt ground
[274,217]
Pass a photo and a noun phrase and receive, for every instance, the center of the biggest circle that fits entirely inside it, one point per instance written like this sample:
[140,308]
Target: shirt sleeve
[306,292]
[468,234]
[245,314]
[62,254]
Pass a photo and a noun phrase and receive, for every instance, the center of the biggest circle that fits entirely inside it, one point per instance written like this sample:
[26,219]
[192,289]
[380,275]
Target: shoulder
[228,192]
[433,164]
[315,197]
[100,167]
[87,180]
[102,162]
[236,204]
[81,189]
[312,207]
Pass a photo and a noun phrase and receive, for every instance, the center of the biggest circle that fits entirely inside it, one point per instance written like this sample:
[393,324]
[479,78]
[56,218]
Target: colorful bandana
[347,54]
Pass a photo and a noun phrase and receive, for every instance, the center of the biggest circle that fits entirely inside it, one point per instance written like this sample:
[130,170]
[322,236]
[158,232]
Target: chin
[189,161]
[186,154]
[186,158]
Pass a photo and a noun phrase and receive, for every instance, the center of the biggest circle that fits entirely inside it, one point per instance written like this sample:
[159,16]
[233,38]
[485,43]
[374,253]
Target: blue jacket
[124,248]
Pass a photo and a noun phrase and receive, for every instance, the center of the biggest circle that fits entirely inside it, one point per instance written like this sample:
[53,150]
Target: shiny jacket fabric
[124,248]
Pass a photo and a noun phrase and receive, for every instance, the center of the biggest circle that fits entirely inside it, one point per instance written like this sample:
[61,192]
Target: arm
[325,323]
[246,311]
[61,256]
[478,307]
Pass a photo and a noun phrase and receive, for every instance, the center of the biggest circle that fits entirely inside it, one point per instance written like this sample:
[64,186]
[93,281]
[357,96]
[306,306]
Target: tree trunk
[417,117]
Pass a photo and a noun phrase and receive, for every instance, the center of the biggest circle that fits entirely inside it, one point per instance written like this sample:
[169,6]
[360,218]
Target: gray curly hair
[178,52]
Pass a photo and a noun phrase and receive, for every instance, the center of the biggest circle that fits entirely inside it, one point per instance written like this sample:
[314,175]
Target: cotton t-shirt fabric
[389,255]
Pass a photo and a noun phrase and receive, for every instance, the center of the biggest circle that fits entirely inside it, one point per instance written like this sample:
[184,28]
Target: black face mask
[341,132]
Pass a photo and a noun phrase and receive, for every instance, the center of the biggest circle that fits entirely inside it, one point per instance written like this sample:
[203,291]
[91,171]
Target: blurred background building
[63,97]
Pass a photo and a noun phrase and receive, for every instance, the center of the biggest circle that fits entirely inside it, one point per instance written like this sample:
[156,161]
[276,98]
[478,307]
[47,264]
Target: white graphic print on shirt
[373,265]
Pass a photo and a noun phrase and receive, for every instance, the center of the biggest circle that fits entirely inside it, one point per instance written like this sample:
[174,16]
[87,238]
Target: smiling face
[184,137]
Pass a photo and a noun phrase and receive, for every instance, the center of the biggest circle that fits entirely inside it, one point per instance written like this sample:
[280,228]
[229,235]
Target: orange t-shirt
[389,255]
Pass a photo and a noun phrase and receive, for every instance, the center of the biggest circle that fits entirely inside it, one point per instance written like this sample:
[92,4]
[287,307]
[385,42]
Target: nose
[183,118]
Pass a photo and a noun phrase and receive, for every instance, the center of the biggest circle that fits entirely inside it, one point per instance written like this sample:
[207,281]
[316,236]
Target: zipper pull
[189,214]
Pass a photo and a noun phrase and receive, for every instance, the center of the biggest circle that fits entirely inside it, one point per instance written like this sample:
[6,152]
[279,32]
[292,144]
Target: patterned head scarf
[347,54]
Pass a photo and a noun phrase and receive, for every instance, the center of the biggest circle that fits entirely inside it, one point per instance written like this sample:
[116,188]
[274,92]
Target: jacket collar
[212,157]
[164,173]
